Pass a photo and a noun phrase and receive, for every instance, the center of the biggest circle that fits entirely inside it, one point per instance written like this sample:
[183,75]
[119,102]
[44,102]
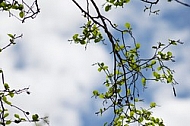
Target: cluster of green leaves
[90,32]
[115,3]
[6,117]
[130,71]
[122,87]
[15,5]
[12,39]
[140,116]
[24,10]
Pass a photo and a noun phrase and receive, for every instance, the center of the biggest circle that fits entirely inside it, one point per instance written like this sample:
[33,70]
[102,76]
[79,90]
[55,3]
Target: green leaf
[128,92]
[5,115]
[153,62]
[138,45]
[143,80]
[159,68]
[35,117]
[156,75]
[99,69]
[17,116]
[169,79]
[173,42]
[6,86]
[101,96]
[8,122]
[169,53]
[105,67]
[107,8]
[128,25]
[140,119]
[21,14]
[132,113]
[11,94]
[75,37]
[5,100]
[152,104]
[95,93]
[82,42]
[12,36]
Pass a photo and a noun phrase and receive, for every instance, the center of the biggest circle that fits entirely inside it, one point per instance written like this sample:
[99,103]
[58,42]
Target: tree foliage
[21,10]
[129,67]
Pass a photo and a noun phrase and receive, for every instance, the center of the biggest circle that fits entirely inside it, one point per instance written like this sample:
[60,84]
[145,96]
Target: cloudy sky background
[61,76]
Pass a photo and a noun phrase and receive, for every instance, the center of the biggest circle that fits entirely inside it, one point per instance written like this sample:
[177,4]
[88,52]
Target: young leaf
[95,93]
[6,86]
[21,14]
[10,35]
[143,81]
[153,62]
[128,25]
[5,115]
[138,45]
[8,122]
[11,94]
[152,104]
[16,116]
[35,117]
[107,8]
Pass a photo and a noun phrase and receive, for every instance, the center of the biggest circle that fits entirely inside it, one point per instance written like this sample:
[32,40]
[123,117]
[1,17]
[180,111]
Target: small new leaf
[152,104]
[11,36]
[95,93]
[17,116]
[143,81]
[128,25]
[8,122]
[11,94]
[35,117]
[153,62]
[21,14]
[6,86]
[138,45]
[5,115]
[107,8]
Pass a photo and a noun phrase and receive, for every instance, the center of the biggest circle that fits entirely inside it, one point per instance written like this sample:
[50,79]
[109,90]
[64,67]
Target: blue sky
[61,76]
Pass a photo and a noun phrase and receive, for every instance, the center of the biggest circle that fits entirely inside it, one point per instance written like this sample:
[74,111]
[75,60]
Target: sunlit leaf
[16,116]
[143,80]
[128,25]
[35,117]
[8,122]
[138,45]
[107,8]
[6,86]
[152,104]
[21,14]
[5,115]
[10,35]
